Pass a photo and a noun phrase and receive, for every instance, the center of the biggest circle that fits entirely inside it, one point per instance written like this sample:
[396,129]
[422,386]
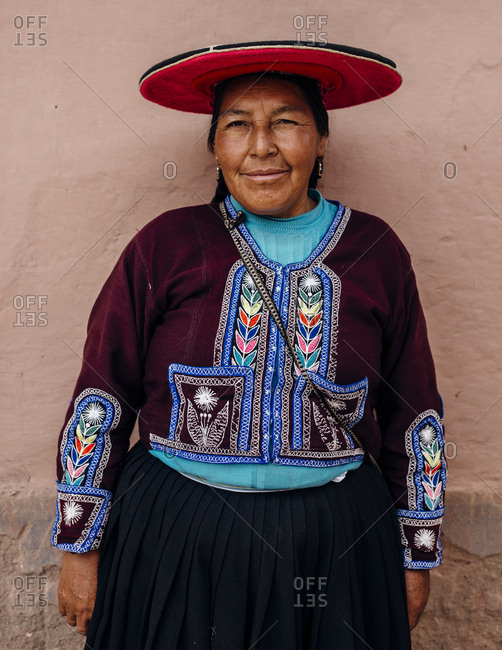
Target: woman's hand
[417,592]
[77,588]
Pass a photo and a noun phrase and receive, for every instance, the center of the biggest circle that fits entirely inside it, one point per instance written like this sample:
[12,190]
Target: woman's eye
[235,123]
[284,121]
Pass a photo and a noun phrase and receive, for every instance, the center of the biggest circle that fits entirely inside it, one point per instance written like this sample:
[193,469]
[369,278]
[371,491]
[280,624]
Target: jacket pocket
[211,411]
[314,427]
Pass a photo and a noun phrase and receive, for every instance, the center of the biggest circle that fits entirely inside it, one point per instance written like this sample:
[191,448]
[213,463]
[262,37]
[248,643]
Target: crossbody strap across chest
[231,225]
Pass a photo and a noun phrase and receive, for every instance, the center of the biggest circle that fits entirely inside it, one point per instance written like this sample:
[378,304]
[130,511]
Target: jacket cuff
[81,516]
[420,533]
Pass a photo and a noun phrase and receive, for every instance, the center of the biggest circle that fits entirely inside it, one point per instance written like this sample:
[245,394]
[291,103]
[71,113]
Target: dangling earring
[319,168]
[218,174]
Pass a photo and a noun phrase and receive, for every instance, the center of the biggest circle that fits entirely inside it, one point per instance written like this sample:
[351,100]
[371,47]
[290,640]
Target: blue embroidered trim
[414,564]
[97,524]
[318,463]
[297,265]
[423,515]
[326,323]
[279,359]
[208,458]
[219,371]
[270,393]
[83,489]
[297,437]
[215,458]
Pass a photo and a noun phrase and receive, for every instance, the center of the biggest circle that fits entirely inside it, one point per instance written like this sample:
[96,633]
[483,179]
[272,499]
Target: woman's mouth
[265,174]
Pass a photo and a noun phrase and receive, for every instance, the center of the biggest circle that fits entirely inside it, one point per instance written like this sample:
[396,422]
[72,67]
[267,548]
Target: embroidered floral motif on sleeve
[72,512]
[426,479]
[427,470]
[95,413]
[425,538]
[85,449]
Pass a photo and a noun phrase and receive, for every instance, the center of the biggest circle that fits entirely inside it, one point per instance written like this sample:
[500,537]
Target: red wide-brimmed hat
[346,75]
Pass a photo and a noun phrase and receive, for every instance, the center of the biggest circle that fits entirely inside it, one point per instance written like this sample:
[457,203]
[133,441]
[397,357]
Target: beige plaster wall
[82,161]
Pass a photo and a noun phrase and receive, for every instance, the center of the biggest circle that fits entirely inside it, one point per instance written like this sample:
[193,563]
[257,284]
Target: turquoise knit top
[286,241]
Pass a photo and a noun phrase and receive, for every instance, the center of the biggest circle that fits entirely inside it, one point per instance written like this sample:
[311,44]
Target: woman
[246,517]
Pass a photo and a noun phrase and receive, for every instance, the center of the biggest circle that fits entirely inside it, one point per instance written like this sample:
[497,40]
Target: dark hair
[312,95]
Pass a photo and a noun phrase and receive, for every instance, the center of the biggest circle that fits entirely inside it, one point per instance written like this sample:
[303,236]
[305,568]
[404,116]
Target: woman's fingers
[77,588]
[83,624]
[77,614]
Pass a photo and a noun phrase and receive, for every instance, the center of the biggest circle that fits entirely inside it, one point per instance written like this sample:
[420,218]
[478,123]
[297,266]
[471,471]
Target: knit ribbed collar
[280,224]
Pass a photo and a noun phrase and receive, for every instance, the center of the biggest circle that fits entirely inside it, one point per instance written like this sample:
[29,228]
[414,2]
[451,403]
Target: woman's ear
[322,145]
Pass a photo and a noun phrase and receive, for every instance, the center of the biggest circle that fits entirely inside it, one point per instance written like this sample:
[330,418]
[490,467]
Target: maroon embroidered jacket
[180,333]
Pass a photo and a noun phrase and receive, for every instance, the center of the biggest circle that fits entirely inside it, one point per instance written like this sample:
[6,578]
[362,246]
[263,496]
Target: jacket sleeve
[410,416]
[109,391]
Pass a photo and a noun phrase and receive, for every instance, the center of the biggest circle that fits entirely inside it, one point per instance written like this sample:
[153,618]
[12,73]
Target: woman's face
[266,144]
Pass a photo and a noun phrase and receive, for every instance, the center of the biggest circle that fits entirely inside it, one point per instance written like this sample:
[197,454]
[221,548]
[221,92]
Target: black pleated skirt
[185,566]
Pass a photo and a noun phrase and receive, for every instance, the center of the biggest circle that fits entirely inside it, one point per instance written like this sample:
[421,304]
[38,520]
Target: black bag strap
[231,225]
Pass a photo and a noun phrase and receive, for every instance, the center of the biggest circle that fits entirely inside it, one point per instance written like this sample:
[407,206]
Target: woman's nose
[262,141]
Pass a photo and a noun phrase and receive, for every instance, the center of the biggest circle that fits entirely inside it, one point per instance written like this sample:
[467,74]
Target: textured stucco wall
[82,170]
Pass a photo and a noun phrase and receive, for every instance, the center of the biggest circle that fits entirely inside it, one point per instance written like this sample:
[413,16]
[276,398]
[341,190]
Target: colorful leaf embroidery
[309,323]
[248,323]
[431,475]
[87,430]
